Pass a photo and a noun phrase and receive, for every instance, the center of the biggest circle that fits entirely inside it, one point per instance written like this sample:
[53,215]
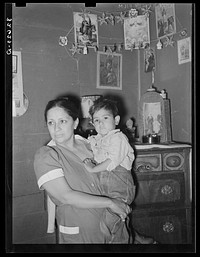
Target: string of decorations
[116,17]
[134,10]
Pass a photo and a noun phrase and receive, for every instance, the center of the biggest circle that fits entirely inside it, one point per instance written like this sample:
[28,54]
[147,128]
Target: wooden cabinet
[162,206]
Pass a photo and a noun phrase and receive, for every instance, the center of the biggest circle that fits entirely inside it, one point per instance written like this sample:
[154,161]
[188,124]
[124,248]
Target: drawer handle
[168,227]
[166,190]
[143,168]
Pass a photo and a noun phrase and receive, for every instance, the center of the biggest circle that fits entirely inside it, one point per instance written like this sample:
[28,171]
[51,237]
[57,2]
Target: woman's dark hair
[66,104]
[104,103]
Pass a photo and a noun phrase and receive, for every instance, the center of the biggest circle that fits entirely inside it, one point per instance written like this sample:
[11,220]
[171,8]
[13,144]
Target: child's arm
[97,168]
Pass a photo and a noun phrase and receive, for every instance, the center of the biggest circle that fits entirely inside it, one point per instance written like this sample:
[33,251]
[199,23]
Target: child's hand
[89,164]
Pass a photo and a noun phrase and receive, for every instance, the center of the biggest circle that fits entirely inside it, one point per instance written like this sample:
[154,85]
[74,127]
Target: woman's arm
[60,190]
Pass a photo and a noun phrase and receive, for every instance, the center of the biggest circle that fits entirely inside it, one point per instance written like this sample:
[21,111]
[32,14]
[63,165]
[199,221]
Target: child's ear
[117,119]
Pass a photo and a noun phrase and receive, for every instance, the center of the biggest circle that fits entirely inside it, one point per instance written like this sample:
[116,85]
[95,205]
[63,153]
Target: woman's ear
[117,119]
[76,122]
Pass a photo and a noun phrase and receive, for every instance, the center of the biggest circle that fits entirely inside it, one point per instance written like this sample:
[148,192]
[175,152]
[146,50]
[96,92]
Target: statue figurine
[130,129]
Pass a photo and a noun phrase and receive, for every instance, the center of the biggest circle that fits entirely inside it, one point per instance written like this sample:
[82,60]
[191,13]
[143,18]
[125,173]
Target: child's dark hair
[104,103]
[66,104]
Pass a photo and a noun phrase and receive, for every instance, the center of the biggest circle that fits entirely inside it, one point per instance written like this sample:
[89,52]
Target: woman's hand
[120,208]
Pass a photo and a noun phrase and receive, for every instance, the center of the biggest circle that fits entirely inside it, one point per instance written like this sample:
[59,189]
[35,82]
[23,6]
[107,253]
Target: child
[113,155]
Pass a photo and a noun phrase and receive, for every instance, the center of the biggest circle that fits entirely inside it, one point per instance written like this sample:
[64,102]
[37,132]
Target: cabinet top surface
[161,146]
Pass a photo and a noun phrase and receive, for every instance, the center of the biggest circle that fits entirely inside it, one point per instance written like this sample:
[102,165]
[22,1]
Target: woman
[60,172]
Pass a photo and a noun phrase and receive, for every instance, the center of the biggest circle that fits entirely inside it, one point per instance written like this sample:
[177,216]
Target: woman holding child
[61,172]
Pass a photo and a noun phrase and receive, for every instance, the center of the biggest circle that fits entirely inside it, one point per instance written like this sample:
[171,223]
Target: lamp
[86,102]
[154,118]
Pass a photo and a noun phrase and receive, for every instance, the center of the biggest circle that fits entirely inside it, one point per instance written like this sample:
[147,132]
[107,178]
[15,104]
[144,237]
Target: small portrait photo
[165,20]
[149,60]
[85,29]
[184,50]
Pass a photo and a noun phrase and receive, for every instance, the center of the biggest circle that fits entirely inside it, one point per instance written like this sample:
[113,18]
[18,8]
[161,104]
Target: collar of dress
[53,143]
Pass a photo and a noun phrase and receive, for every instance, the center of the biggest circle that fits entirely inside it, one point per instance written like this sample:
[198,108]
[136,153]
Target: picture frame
[136,32]
[165,20]
[85,29]
[184,50]
[109,70]
[149,59]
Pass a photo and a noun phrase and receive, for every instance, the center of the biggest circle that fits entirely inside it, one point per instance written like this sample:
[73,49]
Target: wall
[49,70]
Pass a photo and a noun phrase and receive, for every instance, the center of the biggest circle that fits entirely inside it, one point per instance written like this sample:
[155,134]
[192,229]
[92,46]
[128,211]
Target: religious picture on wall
[136,32]
[149,59]
[85,29]
[184,50]
[109,70]
[152,118]
[165,20]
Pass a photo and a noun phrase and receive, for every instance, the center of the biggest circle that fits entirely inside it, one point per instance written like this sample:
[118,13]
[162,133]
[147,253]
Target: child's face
[104,121]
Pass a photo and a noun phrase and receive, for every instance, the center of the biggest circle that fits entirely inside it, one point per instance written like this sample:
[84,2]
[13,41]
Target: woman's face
[104,121]
[60,125]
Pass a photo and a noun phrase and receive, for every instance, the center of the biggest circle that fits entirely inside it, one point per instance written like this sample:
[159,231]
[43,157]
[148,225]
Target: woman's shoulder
[83,139]
[45,152]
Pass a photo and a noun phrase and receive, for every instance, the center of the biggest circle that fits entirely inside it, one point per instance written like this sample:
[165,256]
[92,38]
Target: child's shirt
[114,146]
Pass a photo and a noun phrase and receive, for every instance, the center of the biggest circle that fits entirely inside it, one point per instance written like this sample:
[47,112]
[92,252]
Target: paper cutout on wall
[23,109]
[17,84]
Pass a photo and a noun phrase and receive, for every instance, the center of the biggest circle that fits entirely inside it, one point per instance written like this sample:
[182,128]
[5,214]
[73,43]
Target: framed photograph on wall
[149,60]
[165,20]
[184,50]
[85,29]
[136,32]
[109,70]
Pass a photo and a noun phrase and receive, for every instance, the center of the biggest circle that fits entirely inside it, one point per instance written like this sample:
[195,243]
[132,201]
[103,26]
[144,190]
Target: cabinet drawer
[173,161]
[148,163]
[166,227]
[160,188]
